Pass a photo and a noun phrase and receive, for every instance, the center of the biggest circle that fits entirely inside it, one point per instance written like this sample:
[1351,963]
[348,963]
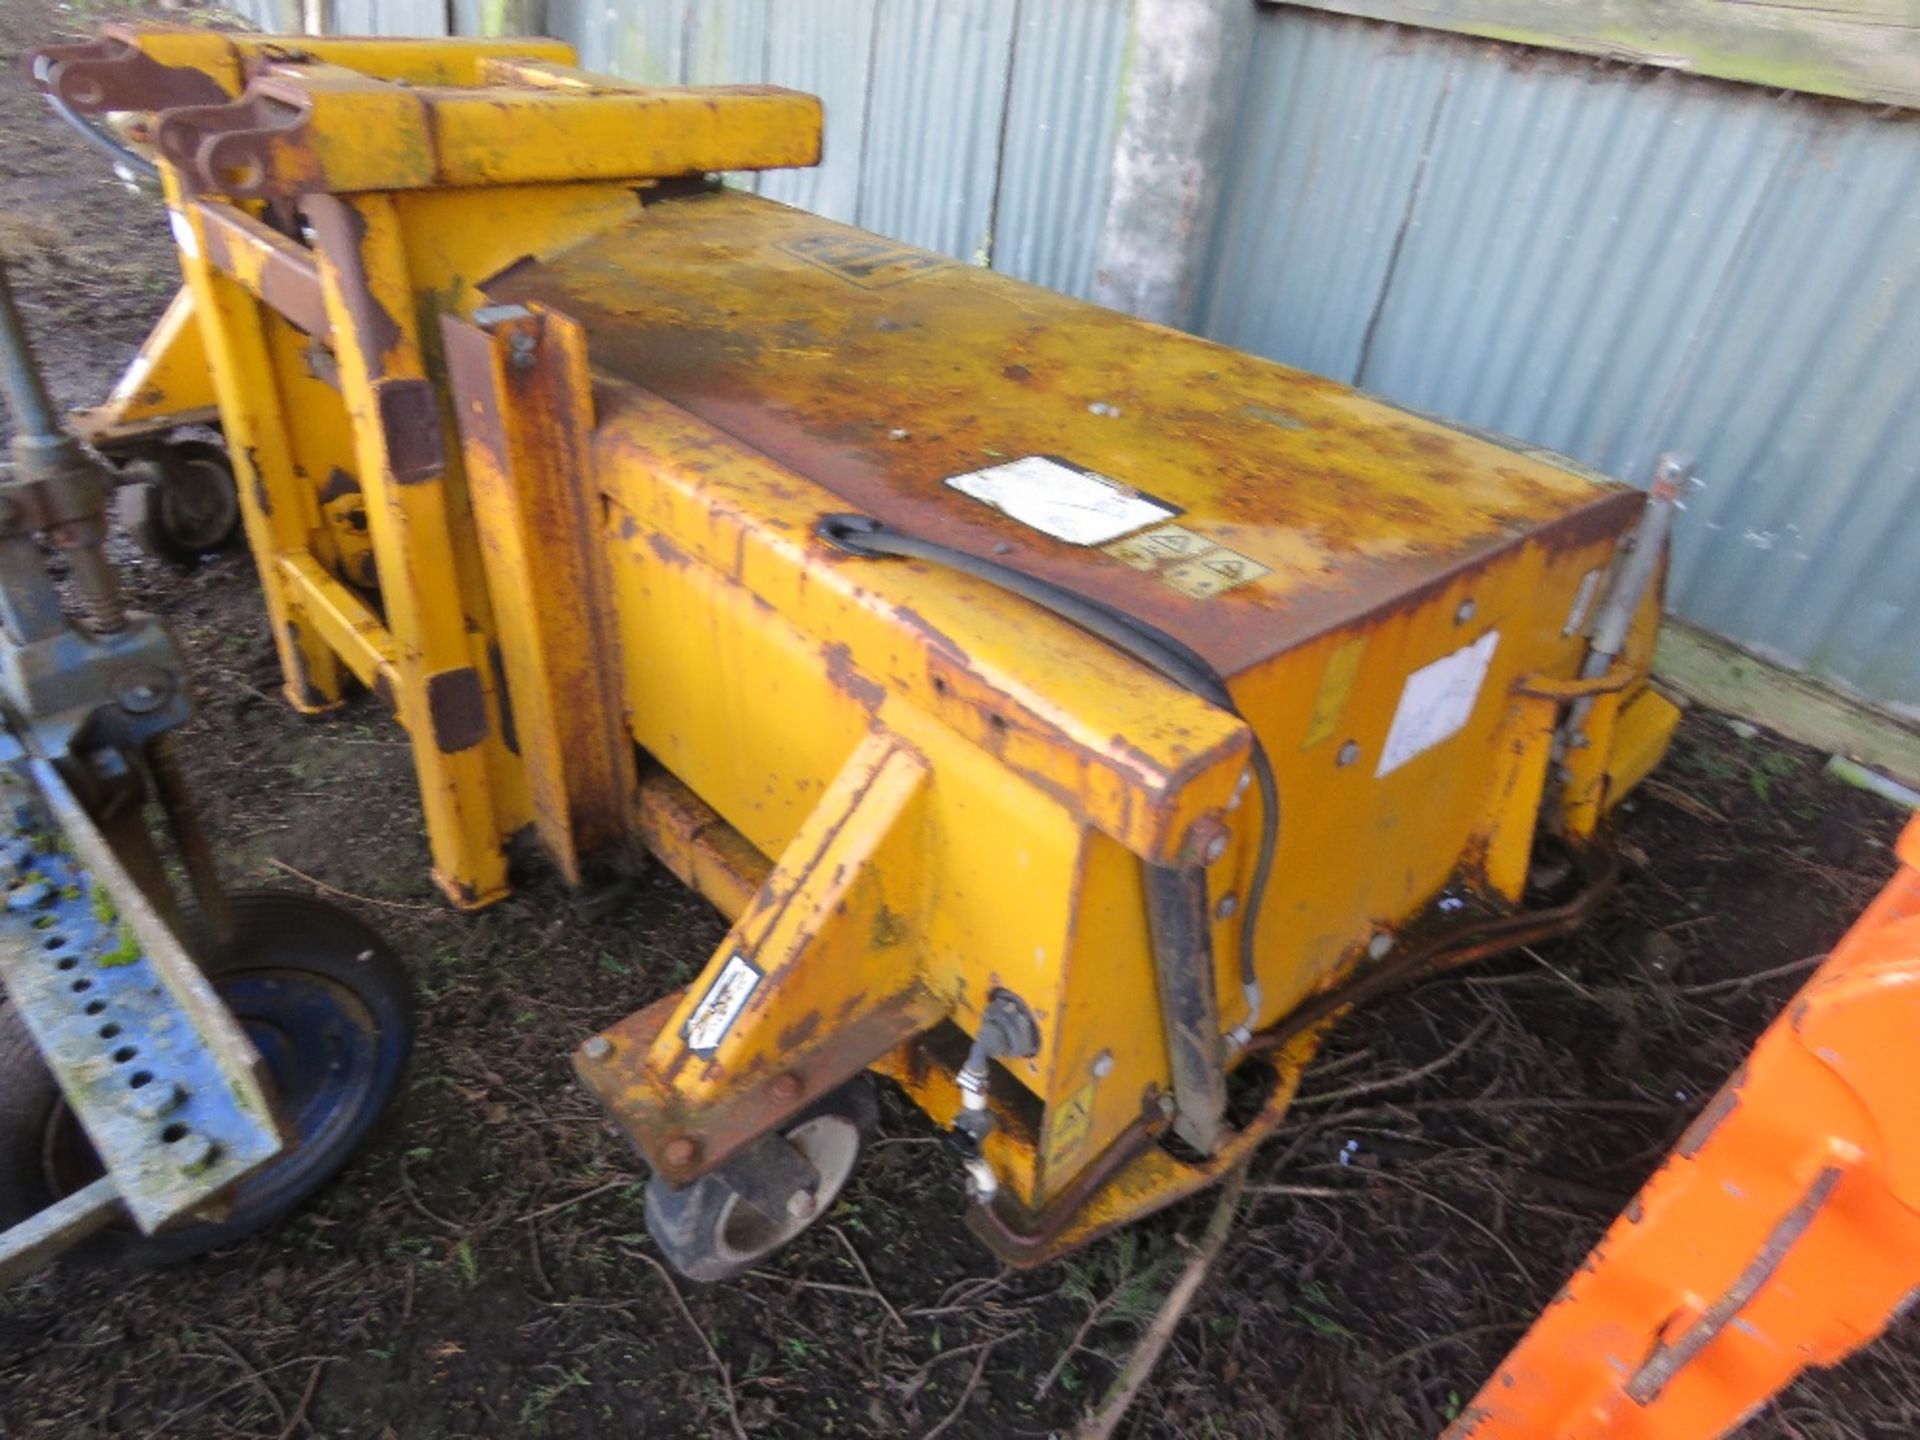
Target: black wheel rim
[321,1049]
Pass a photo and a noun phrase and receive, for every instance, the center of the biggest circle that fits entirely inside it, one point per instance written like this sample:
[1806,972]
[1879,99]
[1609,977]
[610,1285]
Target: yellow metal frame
[356,506]
[600,614]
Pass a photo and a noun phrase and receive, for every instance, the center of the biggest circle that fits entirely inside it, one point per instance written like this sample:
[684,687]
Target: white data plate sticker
[721,1005]
[1437,702]
[1062,500]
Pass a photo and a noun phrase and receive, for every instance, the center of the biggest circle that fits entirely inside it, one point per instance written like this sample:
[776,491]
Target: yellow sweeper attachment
[1073,717]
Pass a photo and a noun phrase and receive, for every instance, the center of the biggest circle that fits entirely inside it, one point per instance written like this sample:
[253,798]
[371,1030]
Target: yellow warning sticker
[865,260]
[1196,565]
[1336,684]
[1068,1126]
[1205,576]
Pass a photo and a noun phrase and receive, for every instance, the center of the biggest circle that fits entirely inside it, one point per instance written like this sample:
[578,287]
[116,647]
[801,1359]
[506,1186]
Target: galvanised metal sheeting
[1063,110]
[981,128]
[1611,262]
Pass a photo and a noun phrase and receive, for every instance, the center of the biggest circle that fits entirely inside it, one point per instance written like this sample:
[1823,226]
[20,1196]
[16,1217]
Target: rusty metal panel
[1612,261]
[1063,109]
[936,98]
[893,376]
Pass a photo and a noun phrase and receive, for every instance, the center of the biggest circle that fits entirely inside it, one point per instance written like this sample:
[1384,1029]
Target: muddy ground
[482,1268]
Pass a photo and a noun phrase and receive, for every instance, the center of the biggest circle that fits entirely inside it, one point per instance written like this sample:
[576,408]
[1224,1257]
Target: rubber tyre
[281,944]
[190,509]
[707,1233]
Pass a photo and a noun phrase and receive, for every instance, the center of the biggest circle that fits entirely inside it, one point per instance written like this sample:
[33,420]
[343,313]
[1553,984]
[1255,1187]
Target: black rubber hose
[104,140]
[1152,647]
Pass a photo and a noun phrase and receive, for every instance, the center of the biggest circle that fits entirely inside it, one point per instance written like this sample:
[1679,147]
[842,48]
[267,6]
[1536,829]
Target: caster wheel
[189,508]
[708,1231]
[327,1005]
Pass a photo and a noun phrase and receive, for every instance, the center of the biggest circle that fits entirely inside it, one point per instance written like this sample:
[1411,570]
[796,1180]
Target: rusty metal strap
[281,274]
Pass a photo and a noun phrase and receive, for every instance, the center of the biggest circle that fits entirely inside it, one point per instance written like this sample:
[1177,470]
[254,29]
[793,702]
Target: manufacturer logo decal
[722,1004]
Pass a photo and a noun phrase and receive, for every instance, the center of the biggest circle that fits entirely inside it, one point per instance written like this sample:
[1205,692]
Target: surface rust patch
[457,706]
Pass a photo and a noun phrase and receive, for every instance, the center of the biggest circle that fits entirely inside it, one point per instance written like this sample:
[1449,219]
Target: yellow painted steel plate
[1240,505]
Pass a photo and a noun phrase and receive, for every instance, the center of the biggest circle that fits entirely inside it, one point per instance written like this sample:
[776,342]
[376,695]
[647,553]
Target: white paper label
[183,235]
[1070,504]
[1437,702]
[721,1005]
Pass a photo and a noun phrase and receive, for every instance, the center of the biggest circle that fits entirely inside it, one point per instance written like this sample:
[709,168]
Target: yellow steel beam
[814,982]
[441,695]
[307,128]
[688,836]
[345,621]
[149,67]
[273,269]
[521,389]
[169,382]
[277,507]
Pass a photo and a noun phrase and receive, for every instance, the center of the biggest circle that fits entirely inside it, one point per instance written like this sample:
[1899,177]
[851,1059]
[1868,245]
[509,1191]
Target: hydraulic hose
[1152,647]
[104,140]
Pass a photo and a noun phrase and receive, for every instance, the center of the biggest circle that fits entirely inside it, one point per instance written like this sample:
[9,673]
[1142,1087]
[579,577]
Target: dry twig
[361,899]
[1127,1384]
[973,1384]
[1392,1082]
[719,1365]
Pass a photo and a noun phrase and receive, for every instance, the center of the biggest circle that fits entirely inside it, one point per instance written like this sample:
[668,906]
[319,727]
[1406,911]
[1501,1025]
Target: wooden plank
[1855,49]
[1713,673]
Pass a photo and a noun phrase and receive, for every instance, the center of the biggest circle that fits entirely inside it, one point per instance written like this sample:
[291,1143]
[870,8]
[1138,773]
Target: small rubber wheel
[708,1232]
[327,1005]
[190,508]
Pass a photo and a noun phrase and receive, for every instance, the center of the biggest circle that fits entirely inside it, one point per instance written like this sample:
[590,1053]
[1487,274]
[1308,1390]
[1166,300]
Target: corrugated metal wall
[981,128]
[1611,262]
[1604,260]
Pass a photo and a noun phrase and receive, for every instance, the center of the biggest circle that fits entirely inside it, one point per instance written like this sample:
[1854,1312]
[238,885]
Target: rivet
[1379,947]
[1102,1065]
[1227,906]
[1349,753]
[681,1150]
[597,1047]
[787,1087]
[1466,612]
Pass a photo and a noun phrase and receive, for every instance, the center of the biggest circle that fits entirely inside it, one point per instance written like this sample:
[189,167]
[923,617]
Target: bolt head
[1380,946]
[1227,906]
[787,1087]
[1349,753]
[1207,840]
[1466,612]
[681,1150]
[1102,1065]
[597,1047]
[191,1153]
[150,1102]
